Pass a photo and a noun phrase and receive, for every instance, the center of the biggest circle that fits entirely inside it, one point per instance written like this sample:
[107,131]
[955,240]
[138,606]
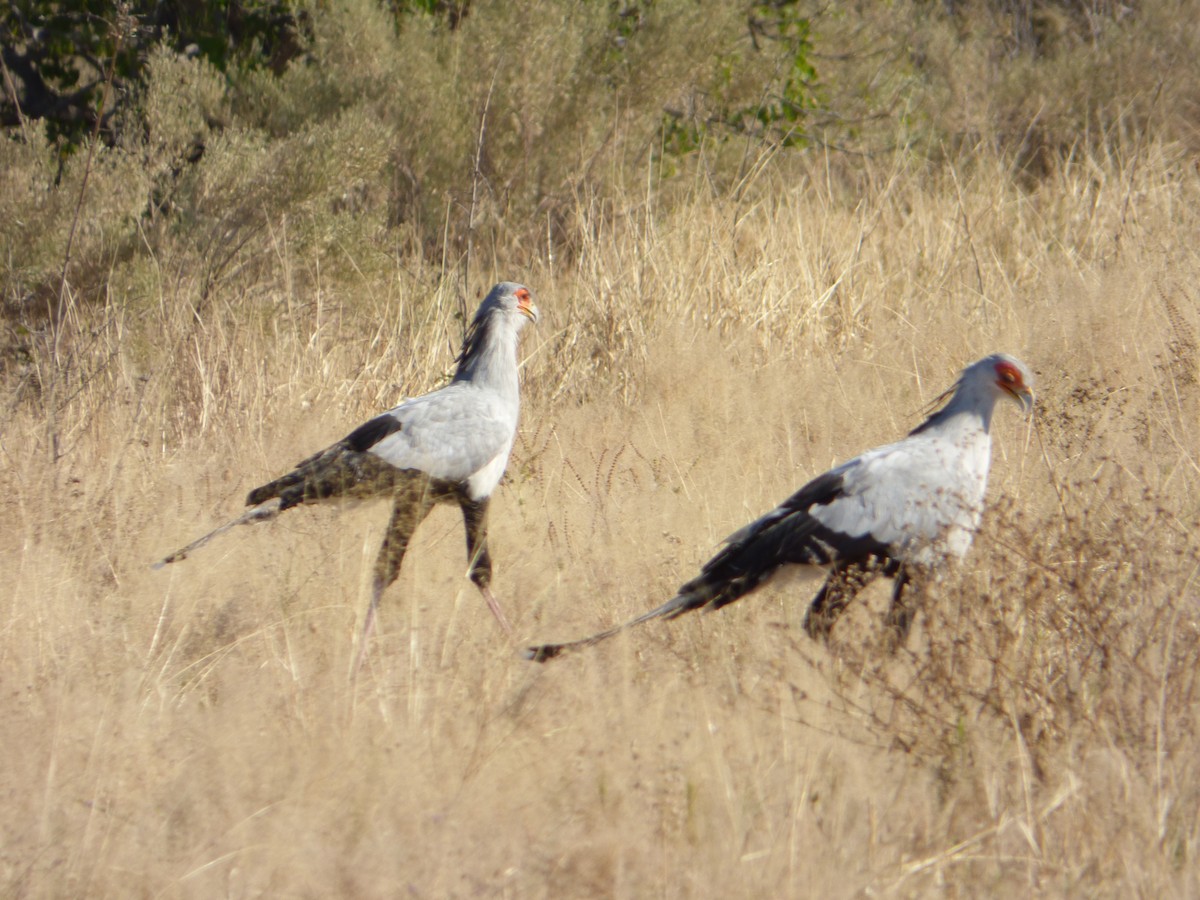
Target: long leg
[843,583]
[410,509]
[900,614]
[479,562]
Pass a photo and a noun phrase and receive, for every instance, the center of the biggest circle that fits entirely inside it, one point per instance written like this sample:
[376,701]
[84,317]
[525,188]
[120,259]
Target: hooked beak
[1023,396]
[528,308]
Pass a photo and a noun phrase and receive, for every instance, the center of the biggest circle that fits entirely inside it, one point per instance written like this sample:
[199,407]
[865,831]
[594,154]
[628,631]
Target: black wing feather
[789,535]
[344,467]
[786,535]
[368,434]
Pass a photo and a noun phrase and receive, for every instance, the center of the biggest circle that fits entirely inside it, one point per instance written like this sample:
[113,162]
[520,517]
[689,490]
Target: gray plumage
[448,446]
[898,510]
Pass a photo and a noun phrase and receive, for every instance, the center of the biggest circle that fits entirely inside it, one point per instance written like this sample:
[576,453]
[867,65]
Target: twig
[466,276]
[120,29]
[1133,169]
[966,221]
[11,88]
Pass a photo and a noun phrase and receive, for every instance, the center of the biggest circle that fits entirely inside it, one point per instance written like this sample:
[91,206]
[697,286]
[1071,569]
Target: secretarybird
[447,446]
[898,510]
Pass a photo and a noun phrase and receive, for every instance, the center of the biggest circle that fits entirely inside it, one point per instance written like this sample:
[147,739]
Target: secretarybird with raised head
[447,446]
[898,510]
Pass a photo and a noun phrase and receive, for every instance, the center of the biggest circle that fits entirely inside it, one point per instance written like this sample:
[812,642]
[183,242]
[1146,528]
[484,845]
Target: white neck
[490,358]
[970,408]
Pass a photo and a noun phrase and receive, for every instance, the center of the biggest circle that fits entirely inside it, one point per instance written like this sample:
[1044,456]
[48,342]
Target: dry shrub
[39,200]
[1071,646]
[1066,652]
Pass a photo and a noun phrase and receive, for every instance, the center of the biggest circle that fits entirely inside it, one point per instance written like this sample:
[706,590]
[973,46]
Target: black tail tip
[167,560]
[542,653]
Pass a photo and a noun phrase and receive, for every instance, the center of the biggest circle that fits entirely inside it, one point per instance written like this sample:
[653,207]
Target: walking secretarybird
[447,446]
[897,510]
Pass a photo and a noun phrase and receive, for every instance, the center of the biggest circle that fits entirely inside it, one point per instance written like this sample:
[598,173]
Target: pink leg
[479,561]
[367,630]
[490,598]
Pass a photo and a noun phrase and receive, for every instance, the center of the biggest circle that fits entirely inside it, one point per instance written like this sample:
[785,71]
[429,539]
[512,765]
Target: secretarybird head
[898,510]
[447,446]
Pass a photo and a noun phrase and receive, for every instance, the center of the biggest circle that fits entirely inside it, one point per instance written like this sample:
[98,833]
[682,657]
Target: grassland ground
[193,732]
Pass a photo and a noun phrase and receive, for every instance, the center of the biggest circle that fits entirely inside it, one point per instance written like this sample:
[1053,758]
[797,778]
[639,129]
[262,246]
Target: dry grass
[713,335]
[192,732]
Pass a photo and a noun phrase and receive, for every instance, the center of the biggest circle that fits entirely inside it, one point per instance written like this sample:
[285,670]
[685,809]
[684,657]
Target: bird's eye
[1008,376]
[522,294]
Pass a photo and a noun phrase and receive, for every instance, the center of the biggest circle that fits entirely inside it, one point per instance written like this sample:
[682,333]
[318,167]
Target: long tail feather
[674,607]
[711,589]
[258,514]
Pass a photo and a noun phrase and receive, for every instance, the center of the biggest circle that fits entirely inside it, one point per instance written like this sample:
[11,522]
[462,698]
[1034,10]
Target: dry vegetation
[712,337]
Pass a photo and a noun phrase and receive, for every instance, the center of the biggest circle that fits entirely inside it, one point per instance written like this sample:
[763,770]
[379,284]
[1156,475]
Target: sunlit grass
[708,342]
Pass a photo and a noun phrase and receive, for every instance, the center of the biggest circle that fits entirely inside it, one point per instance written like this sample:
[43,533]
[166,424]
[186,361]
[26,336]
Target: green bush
[437,130]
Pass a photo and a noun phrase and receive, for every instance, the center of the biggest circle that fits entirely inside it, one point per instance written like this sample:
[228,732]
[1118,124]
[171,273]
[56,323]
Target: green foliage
[451,11]
[784,110]
[68,58]
[763,87]
[498,127]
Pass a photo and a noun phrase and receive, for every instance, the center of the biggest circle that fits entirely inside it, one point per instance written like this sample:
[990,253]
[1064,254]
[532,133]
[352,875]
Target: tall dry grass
[712,337]
[192,732]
